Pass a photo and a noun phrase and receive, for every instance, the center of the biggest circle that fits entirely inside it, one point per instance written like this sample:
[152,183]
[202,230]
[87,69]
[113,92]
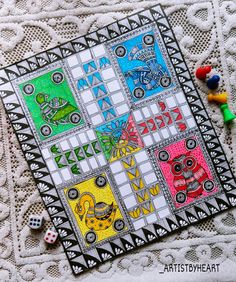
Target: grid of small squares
[138,186]
[74,156]
[164,119]
[98,86]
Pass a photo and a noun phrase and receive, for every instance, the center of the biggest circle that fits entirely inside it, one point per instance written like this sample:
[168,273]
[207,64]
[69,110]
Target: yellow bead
[220,98]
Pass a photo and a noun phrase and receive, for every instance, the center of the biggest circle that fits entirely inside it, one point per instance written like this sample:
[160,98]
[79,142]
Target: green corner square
[51,104]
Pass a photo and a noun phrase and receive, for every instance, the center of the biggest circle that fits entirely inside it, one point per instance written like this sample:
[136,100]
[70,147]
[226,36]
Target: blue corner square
[143,66]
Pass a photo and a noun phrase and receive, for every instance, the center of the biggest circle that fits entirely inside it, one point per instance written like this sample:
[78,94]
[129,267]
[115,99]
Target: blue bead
[213,82]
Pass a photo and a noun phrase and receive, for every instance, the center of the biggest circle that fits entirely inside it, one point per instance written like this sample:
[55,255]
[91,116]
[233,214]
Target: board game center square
[104,218]
[51,104]
[143,66]
[99,91]
[119,138]
[94,79]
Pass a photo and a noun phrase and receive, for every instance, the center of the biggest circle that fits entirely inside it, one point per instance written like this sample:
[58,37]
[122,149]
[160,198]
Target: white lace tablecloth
[206,31]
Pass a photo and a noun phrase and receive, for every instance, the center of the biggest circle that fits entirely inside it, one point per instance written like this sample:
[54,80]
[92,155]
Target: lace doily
[206,31]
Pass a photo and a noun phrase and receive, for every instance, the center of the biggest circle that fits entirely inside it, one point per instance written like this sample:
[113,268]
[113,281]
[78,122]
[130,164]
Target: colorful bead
[213,82]
[220,98]
[227,114]
[202,72]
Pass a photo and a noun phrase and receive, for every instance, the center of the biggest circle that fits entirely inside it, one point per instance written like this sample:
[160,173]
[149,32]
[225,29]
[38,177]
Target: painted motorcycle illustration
[150,76]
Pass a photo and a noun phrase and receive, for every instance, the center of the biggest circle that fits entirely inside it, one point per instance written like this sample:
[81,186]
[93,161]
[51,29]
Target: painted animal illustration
[57,110]
[189,176]
[98,216]
[152,74]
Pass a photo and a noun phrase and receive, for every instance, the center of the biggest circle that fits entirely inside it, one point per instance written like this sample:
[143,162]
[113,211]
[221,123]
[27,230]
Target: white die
[35,221]
[50,236]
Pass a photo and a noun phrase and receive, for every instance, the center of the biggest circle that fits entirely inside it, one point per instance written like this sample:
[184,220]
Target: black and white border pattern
[82,261]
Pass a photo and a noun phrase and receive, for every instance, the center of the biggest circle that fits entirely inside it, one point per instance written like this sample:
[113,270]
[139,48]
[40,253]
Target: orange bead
[220,98]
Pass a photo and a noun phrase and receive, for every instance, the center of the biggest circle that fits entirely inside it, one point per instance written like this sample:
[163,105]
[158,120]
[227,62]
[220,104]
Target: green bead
[227,114]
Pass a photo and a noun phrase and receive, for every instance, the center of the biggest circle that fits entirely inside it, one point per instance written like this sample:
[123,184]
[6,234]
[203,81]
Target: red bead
[202,72]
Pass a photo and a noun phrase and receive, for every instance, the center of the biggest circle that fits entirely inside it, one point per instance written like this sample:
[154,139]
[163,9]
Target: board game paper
[117,138]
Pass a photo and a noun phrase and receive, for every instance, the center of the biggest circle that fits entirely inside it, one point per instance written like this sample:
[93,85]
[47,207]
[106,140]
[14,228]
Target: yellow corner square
[95,209]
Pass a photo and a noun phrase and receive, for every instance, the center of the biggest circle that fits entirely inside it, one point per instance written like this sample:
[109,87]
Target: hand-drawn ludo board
[117,138]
